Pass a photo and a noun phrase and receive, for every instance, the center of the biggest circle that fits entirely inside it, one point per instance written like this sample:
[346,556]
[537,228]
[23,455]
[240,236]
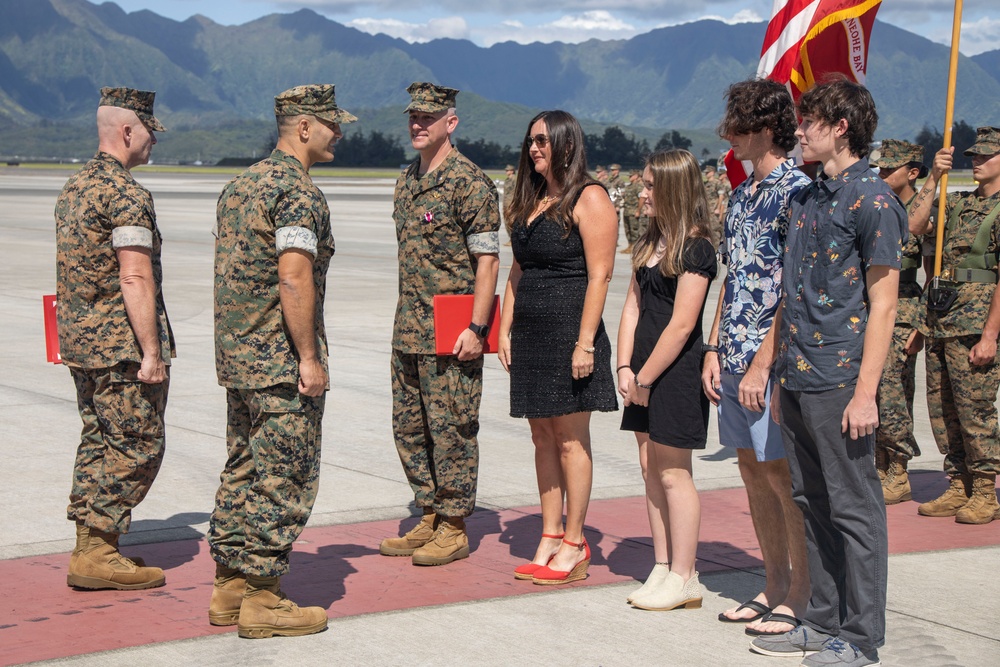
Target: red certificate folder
[452,316]
[51,329]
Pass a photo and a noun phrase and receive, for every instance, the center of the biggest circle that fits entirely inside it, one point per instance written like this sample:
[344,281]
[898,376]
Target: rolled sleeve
[486,243]
[286,238]
[131,237]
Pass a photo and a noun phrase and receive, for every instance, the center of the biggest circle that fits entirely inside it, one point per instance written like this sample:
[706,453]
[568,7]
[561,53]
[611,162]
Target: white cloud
[675,10]
[576,28]
[745,16]
[570,28]
[979,36]
[449,27]
[595,20]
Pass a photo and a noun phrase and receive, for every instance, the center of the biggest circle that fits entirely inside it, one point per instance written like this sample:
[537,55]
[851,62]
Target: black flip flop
[775,616]
[758,608]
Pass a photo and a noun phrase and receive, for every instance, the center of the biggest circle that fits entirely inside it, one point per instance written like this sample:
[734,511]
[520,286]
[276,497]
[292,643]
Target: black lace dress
[547,311]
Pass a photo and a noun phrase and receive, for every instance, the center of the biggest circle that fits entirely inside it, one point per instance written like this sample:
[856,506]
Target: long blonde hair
[680,210]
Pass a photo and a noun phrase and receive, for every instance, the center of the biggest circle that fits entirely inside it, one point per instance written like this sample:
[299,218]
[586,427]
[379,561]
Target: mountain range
[56,54]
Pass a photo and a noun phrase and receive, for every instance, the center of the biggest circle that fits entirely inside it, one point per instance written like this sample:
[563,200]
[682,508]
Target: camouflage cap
[600,167]
[635,172]
[430,98]
[987,141]
[139,101]
[315,99]
[615,167]
[509,167]
[894,153]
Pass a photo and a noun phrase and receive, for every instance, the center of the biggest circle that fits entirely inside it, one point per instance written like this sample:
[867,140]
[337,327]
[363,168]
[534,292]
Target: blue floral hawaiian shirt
[756,224]
[839,227]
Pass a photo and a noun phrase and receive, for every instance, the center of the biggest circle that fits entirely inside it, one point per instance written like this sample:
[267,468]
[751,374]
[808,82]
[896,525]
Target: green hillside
[215,84]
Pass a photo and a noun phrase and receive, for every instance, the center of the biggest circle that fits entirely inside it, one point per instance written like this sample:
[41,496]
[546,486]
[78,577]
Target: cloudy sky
[487,22]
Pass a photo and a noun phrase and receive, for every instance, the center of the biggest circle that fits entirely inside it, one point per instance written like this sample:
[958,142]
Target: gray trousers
[835,483]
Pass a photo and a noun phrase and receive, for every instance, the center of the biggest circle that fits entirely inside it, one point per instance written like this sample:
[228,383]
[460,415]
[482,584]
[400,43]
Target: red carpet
[339,568]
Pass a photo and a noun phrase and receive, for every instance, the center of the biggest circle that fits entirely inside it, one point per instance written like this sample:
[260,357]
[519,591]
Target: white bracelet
[588,350]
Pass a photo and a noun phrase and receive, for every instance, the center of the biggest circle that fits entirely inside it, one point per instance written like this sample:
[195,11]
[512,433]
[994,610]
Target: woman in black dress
[659,369]
[563,230]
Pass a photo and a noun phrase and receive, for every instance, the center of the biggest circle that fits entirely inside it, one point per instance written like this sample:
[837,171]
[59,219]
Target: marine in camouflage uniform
[508,184]
[273,248]
[900,164]
[447,225]
[616,188]
[719,202]
[115,339]
[630,210]
[963,375]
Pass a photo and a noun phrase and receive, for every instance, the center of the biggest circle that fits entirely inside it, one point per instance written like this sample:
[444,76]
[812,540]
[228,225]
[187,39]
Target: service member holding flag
[962,325]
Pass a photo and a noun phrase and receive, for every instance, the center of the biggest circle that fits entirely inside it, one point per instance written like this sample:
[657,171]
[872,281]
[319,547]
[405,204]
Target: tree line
[610,147]
[963,135]
[376,149]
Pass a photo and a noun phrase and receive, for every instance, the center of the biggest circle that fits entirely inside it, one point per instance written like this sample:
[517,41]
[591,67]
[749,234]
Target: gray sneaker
[838,653]
[796,643]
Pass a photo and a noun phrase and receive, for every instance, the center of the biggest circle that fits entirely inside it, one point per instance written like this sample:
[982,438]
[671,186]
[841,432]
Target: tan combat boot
[896,483]
[83,534]
[417,537]
[952,500]
[227,596]
[99,565]
[266,612]
[450,543]
[882,464]
[982,506]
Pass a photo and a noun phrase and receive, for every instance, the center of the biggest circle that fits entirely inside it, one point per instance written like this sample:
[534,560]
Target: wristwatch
[481,330]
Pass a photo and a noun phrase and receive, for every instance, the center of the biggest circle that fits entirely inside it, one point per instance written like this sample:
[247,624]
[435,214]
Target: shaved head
[121,134]
[111,119]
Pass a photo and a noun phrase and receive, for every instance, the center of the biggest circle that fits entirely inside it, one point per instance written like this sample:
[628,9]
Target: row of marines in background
[274,245]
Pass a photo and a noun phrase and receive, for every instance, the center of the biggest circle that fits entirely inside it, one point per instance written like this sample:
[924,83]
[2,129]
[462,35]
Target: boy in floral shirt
[841,277]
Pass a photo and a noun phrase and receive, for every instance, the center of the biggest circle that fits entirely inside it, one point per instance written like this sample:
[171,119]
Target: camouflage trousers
[961,400]
[635,227]
[271,477]
[435,420]
[895,398]
[121,446]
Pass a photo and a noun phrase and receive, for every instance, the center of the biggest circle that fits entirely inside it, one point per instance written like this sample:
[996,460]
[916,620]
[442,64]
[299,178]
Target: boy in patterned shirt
[841,279]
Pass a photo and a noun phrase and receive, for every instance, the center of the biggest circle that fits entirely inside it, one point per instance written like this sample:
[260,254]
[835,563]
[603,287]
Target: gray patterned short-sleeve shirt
[839,227]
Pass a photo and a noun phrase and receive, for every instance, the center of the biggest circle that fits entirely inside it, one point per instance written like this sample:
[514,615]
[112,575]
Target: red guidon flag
[807,39]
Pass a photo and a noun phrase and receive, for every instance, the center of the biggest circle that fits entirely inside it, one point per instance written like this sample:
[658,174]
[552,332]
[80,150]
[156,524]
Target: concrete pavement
[940,605]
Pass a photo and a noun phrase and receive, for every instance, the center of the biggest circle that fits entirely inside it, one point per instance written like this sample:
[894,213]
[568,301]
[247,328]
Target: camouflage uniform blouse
[100,209]
[908,308]
[443,219]
[271,207]
[968,316]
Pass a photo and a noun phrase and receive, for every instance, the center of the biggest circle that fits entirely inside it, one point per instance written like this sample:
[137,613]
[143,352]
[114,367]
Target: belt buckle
[946,274]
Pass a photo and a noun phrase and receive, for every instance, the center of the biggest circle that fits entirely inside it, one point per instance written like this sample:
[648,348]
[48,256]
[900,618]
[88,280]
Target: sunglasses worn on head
[540,139]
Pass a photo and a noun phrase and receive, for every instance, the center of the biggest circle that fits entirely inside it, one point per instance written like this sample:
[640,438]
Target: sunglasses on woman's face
[540,139]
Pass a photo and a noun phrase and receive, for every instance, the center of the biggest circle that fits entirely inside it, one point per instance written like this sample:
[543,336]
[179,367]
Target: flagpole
[949,121]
